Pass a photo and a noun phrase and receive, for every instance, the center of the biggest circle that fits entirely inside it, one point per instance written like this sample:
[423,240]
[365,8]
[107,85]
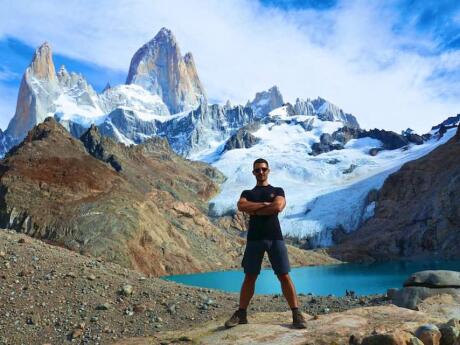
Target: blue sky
[393,64]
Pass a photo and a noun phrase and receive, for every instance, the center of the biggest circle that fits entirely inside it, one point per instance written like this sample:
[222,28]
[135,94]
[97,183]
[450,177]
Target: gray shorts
[277,254]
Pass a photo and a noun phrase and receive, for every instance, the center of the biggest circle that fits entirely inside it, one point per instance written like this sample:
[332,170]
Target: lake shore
[50,294]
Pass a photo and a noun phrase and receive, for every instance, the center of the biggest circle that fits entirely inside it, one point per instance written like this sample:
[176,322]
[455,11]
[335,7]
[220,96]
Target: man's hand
[262,208]
[274,207]
[249,206]
[253,213]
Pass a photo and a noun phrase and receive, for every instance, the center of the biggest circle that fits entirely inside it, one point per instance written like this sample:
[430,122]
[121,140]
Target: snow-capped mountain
[163,97]
[326,163]
[39,88]
[266,101]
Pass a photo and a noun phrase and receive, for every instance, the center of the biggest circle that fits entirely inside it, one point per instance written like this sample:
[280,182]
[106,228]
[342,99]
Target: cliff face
[142,206]
[159,67]
[33,104]
[417,212]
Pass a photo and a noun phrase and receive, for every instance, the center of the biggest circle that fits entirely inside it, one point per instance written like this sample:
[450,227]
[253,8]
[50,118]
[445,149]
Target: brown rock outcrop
[141,206]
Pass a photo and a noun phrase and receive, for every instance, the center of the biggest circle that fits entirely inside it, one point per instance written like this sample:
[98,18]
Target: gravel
[52,295]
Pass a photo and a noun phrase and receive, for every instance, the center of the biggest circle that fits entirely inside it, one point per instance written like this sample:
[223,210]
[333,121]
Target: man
[263,203]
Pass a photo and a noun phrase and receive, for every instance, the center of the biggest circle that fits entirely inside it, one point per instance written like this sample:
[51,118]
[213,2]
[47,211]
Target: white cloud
[6,74]
[348,55]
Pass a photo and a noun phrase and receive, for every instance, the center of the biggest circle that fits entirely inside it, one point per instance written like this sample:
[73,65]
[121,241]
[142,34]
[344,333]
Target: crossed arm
[262,208]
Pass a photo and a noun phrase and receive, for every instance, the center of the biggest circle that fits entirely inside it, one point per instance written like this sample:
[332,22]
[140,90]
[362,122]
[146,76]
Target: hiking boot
[298,320]
[238,318]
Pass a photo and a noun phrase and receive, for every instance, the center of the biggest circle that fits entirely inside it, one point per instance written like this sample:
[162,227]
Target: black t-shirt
[263,227]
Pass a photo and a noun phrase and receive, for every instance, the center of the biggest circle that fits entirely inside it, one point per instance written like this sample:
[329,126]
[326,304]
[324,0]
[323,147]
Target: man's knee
[283,277]
[250,277]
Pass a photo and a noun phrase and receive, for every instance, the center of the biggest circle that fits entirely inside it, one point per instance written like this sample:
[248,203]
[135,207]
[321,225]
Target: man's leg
[252,261]
[247,289]
[279,259]
[287,286]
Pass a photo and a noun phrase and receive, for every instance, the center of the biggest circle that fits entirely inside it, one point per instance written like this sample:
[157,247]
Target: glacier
[321,196]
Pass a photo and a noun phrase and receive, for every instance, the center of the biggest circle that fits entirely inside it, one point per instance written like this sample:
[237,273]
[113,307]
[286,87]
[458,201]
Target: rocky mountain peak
[63,75]
[165,35]
[44,129]
[188,58]
[92,134]
[42,65]
[49,128]
[266,101]
[100,147]
[159,67]
[37,92]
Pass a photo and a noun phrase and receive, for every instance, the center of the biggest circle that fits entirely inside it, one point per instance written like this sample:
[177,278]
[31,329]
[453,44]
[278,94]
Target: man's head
[260,169]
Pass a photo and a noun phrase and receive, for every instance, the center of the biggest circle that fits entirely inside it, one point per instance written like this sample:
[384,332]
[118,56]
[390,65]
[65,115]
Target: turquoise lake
[364,279]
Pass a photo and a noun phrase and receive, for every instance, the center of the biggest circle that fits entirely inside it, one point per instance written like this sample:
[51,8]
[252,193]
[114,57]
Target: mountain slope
[417,211]
[143,207]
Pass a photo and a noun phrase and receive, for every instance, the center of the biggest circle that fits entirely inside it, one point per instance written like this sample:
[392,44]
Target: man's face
[261,171]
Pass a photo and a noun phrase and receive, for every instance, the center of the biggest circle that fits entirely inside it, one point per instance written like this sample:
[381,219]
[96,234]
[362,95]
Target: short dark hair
[260,160]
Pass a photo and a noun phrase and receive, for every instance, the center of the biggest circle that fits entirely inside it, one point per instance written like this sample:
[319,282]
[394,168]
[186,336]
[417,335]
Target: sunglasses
[260,170]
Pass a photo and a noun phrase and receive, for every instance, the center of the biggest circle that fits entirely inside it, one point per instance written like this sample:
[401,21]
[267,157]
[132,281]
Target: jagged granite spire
[159,67]
[42,66]
[35,102]
[266,101]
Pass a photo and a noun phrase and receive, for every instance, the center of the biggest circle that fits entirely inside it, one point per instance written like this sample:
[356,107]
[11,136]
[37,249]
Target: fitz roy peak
[163,97]
[159,67]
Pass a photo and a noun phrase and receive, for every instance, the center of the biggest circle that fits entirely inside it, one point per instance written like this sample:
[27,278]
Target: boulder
[395,338]
[421,285]
[449,334]
[434,279]
[429,334]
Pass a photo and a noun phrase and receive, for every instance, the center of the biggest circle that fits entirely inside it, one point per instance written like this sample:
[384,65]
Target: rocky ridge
[56,190]
[390,140]
[416,211]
